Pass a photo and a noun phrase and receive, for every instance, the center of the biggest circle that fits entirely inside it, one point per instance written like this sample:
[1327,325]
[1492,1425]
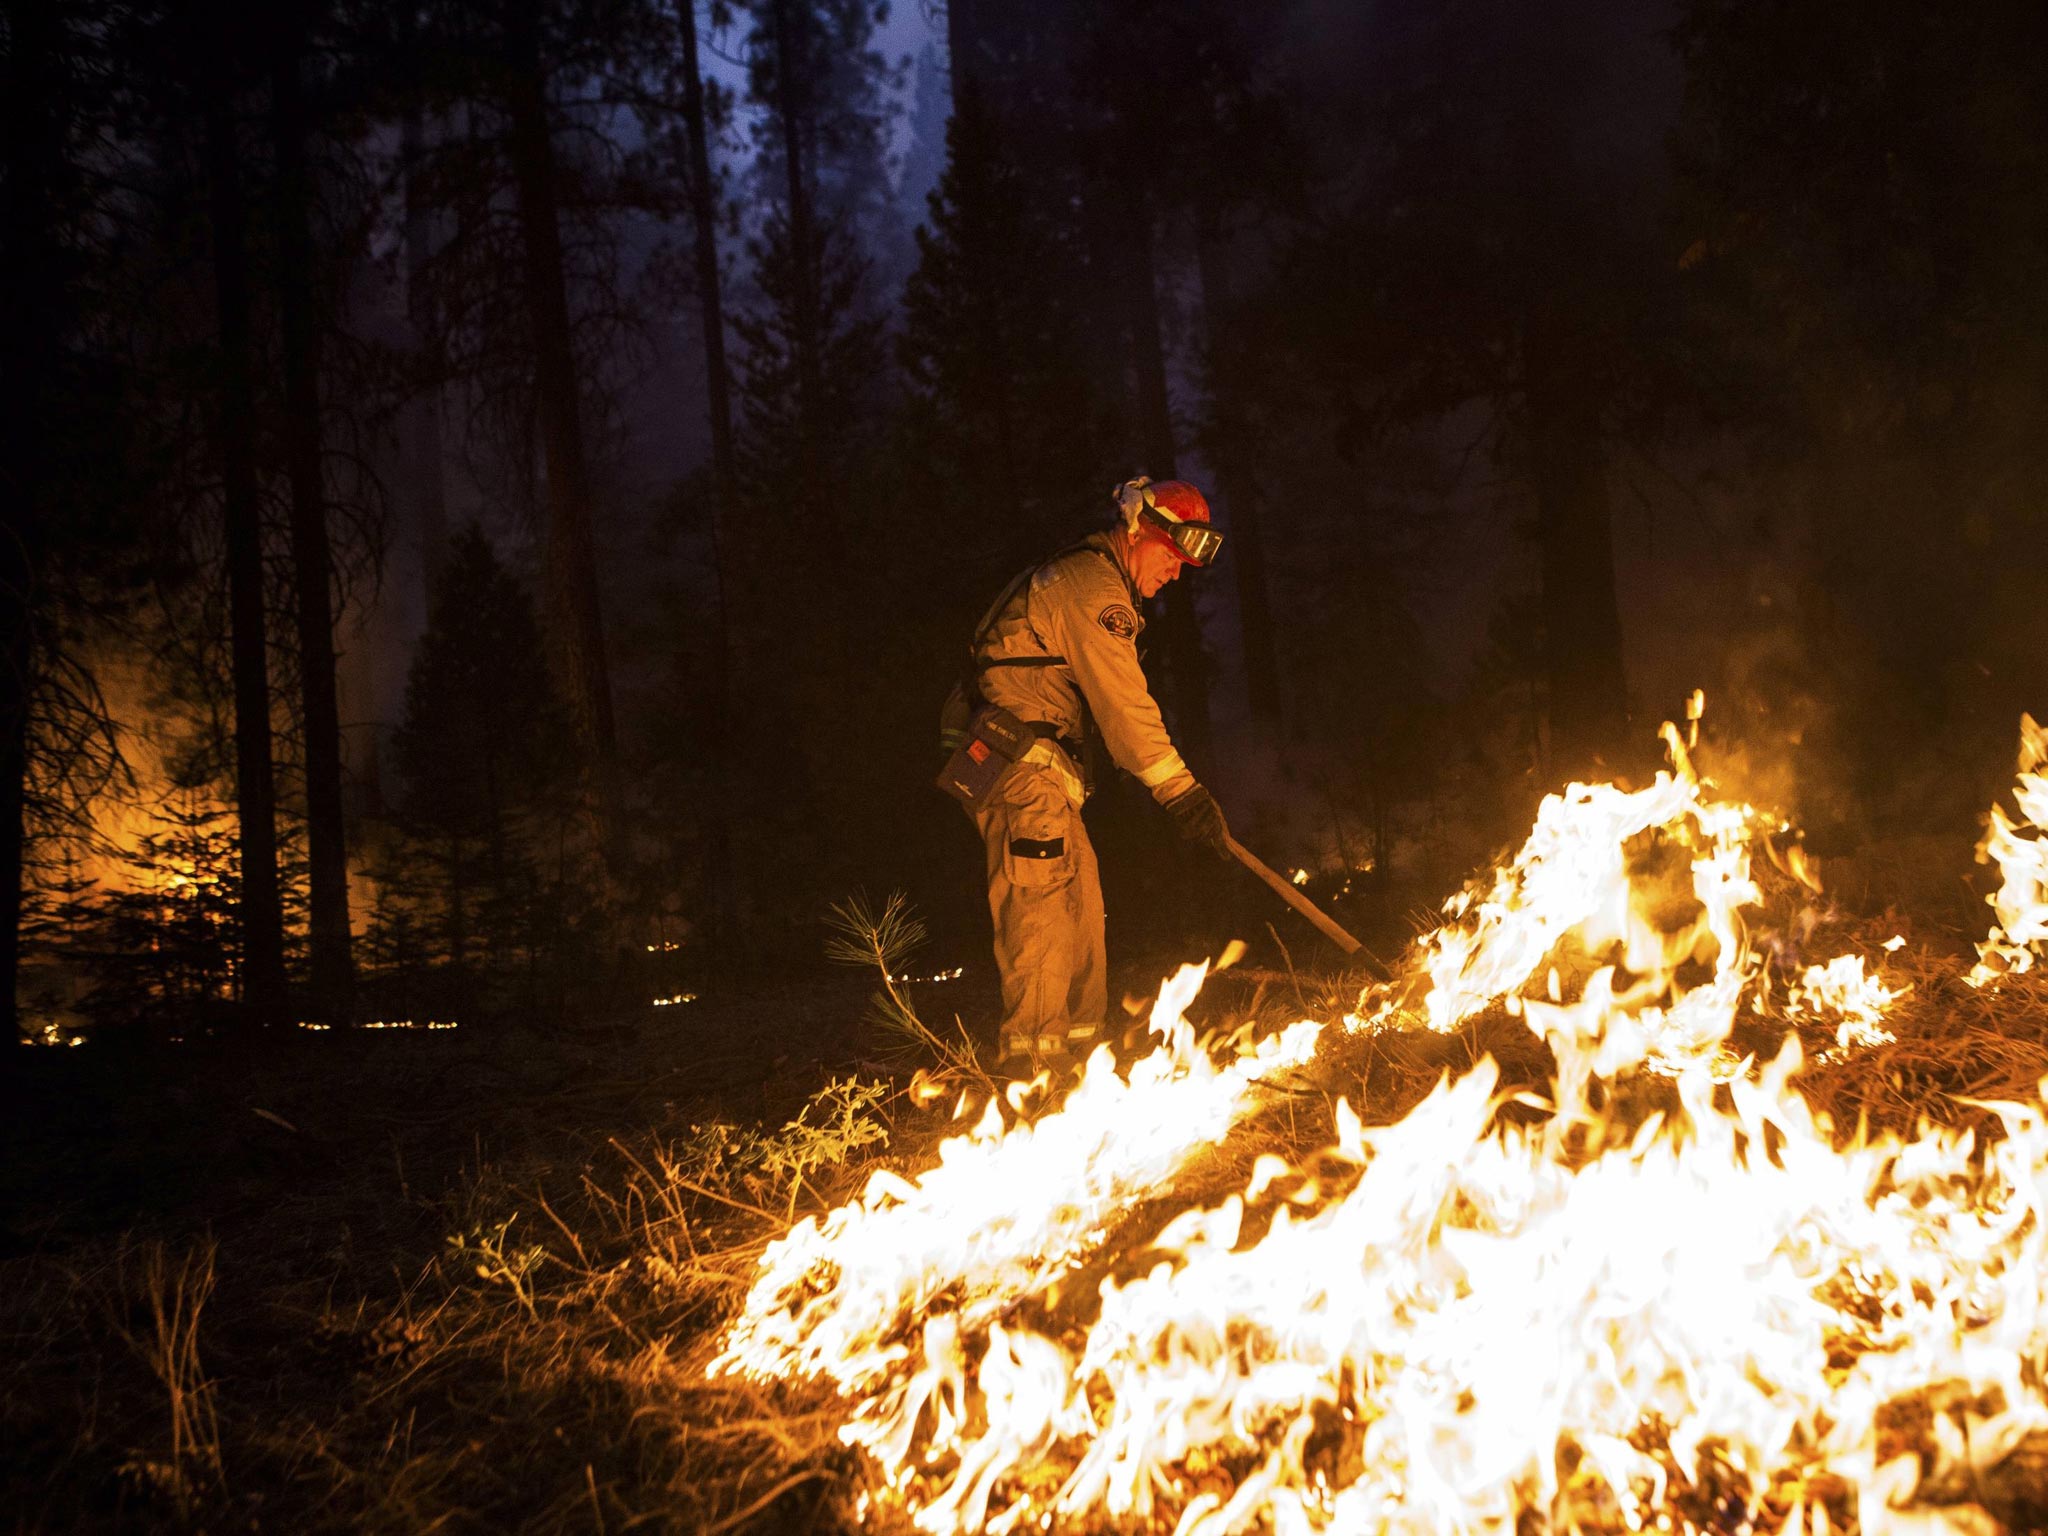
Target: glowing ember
[51,1033]
[1706,1316]
[2020,850]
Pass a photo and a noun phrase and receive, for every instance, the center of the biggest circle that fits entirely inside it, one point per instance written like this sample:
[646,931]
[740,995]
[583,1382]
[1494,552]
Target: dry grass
[305,1330]
[520,1345]
[155,1306]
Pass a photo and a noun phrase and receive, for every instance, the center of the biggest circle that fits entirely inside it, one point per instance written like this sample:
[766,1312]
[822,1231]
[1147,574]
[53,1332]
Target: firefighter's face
[1153,564]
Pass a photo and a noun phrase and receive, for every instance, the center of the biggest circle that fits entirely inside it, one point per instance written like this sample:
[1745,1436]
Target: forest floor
[467,1282]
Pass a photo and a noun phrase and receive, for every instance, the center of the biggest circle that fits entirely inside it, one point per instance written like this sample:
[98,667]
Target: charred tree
[263,985]
[573,611]
[333,966]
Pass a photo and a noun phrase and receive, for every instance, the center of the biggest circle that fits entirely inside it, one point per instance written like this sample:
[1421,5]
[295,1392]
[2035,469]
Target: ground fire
[2020,850]
[1666,1296]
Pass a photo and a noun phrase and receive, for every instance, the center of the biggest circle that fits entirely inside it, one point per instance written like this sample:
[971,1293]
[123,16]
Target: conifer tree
[811,392]
[68,550]
[300,324]
[528,296]
[1001,389]
[482,753]
[262,919]
[1498,249]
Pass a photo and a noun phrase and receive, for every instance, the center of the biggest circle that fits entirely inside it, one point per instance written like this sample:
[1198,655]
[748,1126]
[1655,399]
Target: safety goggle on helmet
[1177,512]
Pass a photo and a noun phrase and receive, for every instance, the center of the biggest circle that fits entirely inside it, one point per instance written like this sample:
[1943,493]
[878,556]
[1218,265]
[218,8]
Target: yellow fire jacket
[1081,609]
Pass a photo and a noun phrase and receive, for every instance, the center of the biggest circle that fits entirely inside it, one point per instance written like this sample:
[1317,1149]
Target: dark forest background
[495,491]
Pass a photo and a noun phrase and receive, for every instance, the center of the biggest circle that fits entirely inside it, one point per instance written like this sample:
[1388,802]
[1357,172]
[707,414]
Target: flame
[1707,1315]
[1654,879]
[2021,853]
[1843,988]
[835,1298]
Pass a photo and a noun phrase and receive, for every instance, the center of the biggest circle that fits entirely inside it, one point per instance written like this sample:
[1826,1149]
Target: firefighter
[1058,650]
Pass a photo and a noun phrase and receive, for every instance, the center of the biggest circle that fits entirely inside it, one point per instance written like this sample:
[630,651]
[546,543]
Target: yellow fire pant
[1046,898]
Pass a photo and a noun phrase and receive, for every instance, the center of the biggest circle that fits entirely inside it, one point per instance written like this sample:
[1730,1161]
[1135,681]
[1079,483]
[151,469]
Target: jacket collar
[1110,548]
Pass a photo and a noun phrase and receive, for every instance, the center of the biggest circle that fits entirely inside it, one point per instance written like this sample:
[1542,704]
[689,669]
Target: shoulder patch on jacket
[1118,620]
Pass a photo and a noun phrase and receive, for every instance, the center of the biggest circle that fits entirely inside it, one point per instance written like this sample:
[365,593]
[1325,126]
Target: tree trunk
[991,388]
[1187,666]
[792,110]
[456,916]
[423,436]
[255,785]
[31,300]
[703,192]
[333,961]
[962,43]
[974,140]
[1575,533]
[1235,482]
[574,616]
[20,545]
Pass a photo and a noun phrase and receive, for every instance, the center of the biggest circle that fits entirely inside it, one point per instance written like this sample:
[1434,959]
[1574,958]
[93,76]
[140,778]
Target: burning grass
[1125,1306]
[533,1356]
[1667,1292]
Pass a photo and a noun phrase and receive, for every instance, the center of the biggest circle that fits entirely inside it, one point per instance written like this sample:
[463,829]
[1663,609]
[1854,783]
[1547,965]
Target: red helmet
[1174,512]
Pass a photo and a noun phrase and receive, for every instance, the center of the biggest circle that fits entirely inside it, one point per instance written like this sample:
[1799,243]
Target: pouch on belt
[994,740]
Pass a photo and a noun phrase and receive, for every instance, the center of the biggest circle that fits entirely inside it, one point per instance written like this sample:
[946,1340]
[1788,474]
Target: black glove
[1199,819]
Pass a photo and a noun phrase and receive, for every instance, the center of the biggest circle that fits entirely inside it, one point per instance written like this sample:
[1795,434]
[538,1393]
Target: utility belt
[982,741]
[990,741]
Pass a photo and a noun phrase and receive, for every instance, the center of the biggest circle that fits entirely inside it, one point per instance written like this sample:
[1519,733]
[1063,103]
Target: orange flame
[1456,1322]
[2020,850]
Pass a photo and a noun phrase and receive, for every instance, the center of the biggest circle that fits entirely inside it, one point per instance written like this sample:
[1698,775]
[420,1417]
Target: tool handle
[1289,893]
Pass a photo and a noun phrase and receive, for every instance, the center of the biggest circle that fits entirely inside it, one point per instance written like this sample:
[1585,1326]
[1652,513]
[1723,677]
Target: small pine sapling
[886,939]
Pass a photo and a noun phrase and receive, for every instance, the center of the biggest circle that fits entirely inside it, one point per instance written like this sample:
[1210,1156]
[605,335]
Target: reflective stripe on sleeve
[1162,770]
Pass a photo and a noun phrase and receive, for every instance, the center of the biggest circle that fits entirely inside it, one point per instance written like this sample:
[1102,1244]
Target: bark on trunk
[333,961]
[423,434]
[574,615]
[262,916]
[991,388]
[34,140]
[20,537]
[719,871]
[1187,667]
[962,39]
[792,112]
[1234,481]
[1581,614]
